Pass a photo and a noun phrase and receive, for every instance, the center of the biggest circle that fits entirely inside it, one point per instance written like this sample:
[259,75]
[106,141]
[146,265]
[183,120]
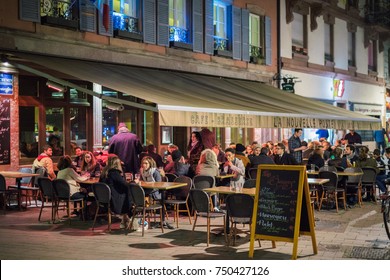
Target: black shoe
[168,226]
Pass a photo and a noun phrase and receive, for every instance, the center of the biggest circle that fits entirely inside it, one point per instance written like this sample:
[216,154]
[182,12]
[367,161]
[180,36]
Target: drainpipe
[279,67]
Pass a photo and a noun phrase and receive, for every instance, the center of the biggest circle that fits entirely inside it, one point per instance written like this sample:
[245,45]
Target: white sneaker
[145,226]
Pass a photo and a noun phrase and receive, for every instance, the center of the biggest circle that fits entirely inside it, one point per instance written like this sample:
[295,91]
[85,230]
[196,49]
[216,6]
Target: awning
[185,99]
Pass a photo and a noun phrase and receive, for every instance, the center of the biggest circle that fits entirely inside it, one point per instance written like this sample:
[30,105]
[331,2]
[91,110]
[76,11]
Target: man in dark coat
[260,156]
[283,158]
[127,147]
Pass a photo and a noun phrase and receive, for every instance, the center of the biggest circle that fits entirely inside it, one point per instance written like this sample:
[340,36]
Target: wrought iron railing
[58,8]
[125,23]
[220,43]
[178,34]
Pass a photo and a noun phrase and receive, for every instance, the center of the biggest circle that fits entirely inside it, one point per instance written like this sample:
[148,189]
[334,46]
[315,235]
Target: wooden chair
[202,207]
[27,189]
[202,182]
[62,193]
[140,210]
[181,198]
[369,181]
[239,209]
[354,183]
[102,194]
[6,194]
[47,194]
[331,190]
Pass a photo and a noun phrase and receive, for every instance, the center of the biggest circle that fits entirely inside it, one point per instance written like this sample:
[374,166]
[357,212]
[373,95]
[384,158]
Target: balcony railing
[220,43]
[125,23]
[177,34]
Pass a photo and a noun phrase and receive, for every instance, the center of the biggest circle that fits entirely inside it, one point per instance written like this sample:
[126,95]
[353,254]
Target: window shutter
[149,21]
[245,34]
[30,10]
[163,22]
[197,19]
[234,24]
[268,47]
[209,27]
[87,16]
[101,29]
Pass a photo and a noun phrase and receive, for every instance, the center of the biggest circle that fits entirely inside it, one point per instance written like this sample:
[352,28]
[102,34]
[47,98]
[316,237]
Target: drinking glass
[238,187]
[312,167]
[128,176]
[232,186]
[137,176]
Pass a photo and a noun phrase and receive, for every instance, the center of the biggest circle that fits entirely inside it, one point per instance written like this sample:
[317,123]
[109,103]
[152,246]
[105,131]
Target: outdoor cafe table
[339,173]
[18,177]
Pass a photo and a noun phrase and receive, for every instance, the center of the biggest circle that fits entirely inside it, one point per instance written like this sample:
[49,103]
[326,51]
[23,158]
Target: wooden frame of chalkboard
[282,209]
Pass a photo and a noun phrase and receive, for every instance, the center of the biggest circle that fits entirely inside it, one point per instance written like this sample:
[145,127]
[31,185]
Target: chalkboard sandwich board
[282,206]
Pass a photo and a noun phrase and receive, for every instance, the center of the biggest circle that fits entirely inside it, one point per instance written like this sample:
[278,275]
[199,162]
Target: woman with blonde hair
[150,173]
[112,175]
[208,164]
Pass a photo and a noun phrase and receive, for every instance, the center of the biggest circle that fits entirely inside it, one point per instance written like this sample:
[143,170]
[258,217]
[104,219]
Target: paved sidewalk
[353,234]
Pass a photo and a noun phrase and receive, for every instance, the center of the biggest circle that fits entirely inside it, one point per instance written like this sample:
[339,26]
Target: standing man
[379,137]
[127,147]
[294,145]
[208,138]
[45,162]
[353,137]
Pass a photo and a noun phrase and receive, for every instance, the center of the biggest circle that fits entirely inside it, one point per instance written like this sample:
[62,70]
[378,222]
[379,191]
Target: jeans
[381,146]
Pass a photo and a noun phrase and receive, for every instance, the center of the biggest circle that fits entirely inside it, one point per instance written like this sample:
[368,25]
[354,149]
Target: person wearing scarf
[150,173]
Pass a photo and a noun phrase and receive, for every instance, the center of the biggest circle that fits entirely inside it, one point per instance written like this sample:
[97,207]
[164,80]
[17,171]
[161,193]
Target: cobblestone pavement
[353,234]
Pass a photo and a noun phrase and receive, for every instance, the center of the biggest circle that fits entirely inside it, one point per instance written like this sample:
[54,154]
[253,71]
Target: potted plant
[256,55]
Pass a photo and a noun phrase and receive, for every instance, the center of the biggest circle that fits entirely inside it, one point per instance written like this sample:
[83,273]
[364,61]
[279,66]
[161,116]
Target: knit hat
[240,148]
[122,124]
[176,155]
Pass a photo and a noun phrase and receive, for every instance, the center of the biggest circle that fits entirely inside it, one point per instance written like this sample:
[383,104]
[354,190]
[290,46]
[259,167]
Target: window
[177,21]
[256,36]
[352,49]
[328,39]
[28,131]
[372,56]
[125,15]
[299,31]
[220,28]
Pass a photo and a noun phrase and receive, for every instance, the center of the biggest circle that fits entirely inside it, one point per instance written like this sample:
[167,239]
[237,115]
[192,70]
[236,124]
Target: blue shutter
[236,32]
[245,34]
[197,21]
[30,10]
[149,21]
[163,22]
[268,46]
[87,16]
[209,27]
[102,30]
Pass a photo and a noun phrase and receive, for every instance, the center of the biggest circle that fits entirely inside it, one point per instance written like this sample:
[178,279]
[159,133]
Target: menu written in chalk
[277,201]
[5,132]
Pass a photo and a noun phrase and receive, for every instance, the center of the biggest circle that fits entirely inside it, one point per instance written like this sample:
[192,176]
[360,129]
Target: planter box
[128,35]
[223,53]
[58,21]
[180,45]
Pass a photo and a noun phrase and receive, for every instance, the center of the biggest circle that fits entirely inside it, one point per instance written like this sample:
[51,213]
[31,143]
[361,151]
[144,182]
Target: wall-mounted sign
[368,109]
[6,84]
[338,88]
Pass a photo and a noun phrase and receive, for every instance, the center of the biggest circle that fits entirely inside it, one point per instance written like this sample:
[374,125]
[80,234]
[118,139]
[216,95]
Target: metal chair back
[203,182]
[102,192]
[240,205]
[333,179]
[171,177]
[200,201]
[252,173]
[249,184]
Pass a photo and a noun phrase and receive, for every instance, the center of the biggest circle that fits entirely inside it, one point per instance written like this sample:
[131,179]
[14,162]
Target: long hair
[88,166]
[363,153]
[150,160]
[113,162]
[198,137]
[64,162]
[209,157]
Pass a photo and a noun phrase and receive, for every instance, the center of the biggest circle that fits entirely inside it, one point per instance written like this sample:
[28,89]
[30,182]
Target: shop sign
[368,109]
[6,85]
[338,88]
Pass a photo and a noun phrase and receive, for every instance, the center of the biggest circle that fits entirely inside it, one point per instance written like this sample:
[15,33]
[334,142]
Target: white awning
[185,99]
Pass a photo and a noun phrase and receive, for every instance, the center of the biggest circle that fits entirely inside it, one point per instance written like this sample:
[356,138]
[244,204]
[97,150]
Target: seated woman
[208,164]
[336,157]
[317,158]
[150,173]
[176,164]
[112,175]
[89,164]
[67,173]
